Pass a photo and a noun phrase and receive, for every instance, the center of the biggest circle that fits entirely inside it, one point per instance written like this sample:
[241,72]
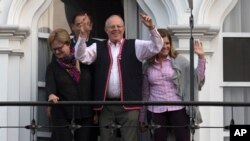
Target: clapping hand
[147,21]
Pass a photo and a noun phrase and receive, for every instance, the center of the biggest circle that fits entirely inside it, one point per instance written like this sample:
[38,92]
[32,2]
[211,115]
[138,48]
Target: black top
[59,82]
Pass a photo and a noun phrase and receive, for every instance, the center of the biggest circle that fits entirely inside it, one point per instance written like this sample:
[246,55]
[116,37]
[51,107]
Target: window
[239,114]
[44,57]
[236,63]
[236,59]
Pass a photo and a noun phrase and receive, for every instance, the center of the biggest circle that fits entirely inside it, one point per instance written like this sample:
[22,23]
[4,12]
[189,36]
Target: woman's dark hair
[80,14]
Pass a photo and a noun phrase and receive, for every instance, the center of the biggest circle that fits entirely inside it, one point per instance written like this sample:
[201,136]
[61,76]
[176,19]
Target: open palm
[198,49]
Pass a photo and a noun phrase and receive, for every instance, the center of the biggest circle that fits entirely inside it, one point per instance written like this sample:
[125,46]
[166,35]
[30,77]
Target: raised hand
[147,21]
[83,32]
[85,26]
[198,49]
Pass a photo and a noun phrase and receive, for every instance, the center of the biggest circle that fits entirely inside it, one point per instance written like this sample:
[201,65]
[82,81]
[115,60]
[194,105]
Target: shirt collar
[168,58]
[112,44]
[75,39]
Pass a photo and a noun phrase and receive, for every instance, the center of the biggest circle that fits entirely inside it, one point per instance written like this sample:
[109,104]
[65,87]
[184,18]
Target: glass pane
[226,139]
[236,20]
[43,58]
[236,59]
[240,115]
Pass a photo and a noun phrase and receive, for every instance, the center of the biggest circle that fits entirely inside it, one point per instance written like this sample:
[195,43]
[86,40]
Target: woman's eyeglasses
[59,48]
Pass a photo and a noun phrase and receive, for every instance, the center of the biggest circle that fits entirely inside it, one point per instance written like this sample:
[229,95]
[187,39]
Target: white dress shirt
[143,49]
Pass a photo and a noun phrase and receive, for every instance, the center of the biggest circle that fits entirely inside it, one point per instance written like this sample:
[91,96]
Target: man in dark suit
[98,9]
[76,24]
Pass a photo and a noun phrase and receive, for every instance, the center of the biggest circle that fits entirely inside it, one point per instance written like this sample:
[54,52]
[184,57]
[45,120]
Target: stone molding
[204,32]
[13,32]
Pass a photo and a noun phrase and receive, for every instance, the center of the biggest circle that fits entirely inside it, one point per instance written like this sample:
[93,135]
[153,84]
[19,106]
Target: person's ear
[91,25]
[73,27]
[105,29]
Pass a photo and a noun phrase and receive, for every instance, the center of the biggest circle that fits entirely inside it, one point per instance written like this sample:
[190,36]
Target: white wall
[209,16]
[18,73]
[19,23]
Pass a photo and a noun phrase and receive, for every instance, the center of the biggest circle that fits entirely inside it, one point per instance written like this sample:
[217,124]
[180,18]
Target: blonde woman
[66,80]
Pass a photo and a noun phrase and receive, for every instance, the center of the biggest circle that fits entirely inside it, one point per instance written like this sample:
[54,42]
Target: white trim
[235,34]
[14,32]
[205,32]
[43,134]
[43,35]
[226,134]
[187,51]
[41,84]
[235,84]
[12,52]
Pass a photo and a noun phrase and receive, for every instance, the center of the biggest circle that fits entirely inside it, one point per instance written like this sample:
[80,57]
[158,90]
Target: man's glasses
[59,48]
[115,26]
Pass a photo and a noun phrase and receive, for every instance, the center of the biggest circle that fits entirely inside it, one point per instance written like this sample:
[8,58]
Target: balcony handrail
[33,126]
[77,103]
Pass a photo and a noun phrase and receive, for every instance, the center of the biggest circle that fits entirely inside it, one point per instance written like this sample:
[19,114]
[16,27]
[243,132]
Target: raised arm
[146,49]
[198,49]
[84,54]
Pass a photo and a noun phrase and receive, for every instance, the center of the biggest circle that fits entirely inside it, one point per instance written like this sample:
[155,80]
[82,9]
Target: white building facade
[23,32]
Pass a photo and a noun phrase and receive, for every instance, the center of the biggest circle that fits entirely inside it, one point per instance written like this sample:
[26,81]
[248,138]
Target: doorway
[99,10]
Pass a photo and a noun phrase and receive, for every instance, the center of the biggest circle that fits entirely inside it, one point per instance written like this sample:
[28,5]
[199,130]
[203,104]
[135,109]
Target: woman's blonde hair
[173,53]
[60,35]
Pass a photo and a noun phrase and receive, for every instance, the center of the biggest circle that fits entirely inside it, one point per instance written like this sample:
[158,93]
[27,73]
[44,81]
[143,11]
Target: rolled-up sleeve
[201,68]
[84,54]
[146,49]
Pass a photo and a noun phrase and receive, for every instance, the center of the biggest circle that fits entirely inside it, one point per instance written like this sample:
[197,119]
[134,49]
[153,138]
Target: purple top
[158,86]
